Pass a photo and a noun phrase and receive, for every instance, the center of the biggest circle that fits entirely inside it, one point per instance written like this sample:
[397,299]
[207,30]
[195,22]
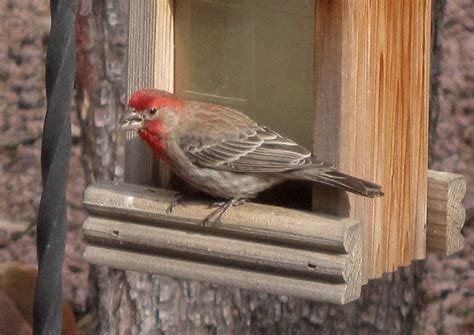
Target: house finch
[224,153]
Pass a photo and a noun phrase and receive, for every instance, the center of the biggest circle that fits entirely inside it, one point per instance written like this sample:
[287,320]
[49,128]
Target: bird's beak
[132,121]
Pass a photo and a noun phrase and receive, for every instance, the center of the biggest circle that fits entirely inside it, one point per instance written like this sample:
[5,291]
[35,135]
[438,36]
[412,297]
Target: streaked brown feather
[234,142]
[225,139]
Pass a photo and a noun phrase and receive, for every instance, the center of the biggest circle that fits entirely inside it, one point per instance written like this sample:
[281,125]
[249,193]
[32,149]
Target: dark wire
[55,155]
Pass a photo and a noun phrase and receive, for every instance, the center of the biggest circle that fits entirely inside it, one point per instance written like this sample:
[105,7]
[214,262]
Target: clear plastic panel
[255,56]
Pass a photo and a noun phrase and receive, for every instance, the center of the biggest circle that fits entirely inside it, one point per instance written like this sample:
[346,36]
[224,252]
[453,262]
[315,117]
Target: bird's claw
[217,204]
[214,217]
[179,198]
[207,220]
[222,208]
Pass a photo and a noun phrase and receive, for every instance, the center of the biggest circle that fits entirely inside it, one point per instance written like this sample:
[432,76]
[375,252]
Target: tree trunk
[139,303]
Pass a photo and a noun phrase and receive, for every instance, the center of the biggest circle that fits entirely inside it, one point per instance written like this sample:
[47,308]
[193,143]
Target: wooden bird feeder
[368,77]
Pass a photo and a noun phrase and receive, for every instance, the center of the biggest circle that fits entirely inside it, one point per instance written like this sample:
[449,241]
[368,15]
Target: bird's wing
[225,139]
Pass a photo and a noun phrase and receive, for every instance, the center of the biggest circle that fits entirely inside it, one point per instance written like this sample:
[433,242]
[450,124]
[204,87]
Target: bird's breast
[157,144]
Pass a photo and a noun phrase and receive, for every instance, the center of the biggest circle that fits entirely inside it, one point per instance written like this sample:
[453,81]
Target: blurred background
[447,286]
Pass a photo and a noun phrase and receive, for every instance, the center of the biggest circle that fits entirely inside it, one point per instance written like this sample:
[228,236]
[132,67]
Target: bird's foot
[178,199]
[222,207]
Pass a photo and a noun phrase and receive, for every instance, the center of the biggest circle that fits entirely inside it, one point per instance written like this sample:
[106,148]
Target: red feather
[152,98]
[151,135]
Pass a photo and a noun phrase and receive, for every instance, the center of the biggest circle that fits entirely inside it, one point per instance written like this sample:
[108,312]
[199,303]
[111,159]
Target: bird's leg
[179,198]
[222,208]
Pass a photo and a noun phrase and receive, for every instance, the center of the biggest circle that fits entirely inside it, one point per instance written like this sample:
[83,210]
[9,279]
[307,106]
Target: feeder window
[255,56]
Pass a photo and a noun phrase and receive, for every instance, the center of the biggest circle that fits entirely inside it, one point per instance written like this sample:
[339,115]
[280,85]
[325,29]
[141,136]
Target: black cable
[55,155]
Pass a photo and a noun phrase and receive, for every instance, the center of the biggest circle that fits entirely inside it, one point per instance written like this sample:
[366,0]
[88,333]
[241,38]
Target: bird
[224,153]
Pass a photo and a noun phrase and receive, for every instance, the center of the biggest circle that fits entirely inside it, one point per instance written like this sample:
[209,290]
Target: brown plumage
[224,153]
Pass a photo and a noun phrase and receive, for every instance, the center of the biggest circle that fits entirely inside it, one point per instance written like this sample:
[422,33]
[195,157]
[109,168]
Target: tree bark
[139,303]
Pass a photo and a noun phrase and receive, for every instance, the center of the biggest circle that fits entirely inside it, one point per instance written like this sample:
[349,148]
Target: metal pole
[55,156]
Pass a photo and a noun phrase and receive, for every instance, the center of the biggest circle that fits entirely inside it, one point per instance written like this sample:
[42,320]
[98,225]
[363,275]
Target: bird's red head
[150,108]
[154,115]
[150,98]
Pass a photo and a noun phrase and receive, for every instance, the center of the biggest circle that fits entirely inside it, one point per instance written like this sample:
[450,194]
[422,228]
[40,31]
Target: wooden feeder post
[371,119]
[150,64]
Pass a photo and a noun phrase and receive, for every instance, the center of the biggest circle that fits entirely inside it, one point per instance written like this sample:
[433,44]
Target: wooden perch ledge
[446,215]
[257,247]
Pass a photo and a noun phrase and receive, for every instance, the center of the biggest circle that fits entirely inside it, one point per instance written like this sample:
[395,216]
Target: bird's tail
[343,181]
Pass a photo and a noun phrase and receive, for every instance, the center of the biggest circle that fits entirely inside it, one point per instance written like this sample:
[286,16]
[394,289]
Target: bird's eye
[153,111]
